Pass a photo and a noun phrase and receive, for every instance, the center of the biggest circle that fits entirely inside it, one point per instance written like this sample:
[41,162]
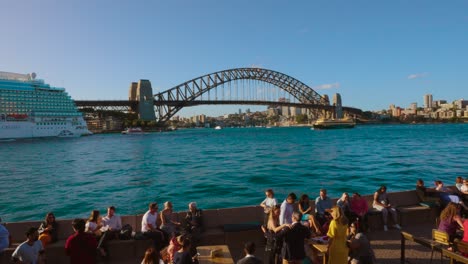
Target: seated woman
[424,194]
[450,220]
[307,216]
[168,225]
[93,226]
[360,207]
[345,206]
[381,203]
[48,230]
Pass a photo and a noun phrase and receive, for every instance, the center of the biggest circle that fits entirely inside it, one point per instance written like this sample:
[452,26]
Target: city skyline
[373,54]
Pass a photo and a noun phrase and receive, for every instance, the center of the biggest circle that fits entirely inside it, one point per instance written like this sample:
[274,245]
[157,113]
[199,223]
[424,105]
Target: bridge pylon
[142,92]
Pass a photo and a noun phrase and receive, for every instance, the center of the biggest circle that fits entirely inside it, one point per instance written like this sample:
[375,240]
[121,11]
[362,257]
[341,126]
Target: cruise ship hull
[26,129]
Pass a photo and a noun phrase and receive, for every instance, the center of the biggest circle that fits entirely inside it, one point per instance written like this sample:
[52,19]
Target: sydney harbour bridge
[240,86]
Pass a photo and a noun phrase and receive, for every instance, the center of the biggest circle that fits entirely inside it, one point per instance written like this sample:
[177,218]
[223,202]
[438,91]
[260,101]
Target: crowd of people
[88,243]
[287,229]
[287,226]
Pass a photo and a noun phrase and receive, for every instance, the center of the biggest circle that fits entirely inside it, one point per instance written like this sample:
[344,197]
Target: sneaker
[385,228]
[397,226]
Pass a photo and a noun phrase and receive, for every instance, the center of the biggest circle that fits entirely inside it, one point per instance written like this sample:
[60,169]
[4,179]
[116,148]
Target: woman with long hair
[450,220]
[48,230]
[337,248]
[273,243]
[93,226]
[306,211]
[151,256]
[382,204]
[168,225]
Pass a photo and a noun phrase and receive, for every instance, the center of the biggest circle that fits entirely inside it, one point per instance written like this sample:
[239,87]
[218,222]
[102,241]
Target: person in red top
[360,207]
[81,246]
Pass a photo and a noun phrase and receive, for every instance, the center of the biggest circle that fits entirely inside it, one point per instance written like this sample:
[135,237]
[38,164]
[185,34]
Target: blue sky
[369,50]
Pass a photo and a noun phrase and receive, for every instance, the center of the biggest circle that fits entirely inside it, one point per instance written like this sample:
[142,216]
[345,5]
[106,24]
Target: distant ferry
[333,123]
[30,108]
[133,131]
[218,127]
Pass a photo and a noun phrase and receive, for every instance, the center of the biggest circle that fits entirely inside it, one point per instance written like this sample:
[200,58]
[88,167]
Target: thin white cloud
[327,86]
[417,75]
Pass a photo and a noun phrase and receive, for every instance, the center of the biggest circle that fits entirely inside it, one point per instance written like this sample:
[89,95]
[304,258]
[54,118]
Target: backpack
[126,232]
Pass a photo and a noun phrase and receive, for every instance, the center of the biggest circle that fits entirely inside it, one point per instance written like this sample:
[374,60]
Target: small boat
[133,131]
[66,133]
[218,127]
[333,123]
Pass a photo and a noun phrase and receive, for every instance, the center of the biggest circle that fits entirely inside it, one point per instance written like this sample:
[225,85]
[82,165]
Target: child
[268,204]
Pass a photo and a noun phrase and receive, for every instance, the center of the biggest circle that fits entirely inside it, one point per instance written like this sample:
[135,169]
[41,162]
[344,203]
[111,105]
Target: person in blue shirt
[322,204]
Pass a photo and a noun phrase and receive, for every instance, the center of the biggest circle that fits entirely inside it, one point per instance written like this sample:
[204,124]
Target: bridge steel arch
[195,88]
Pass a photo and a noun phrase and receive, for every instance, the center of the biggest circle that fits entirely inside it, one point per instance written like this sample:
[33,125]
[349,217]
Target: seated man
[31,250]
[193,220]
[322,204]
[424,194]
[448,195]
[150,229]
[111,223]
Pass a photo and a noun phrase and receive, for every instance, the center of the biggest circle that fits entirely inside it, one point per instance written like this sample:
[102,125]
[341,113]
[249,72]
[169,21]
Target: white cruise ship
[30,108]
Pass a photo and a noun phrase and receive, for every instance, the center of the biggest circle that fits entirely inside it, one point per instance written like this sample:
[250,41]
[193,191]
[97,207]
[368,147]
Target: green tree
[301,119]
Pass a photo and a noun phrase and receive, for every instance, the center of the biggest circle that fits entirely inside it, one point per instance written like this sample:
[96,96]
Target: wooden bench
[409,208]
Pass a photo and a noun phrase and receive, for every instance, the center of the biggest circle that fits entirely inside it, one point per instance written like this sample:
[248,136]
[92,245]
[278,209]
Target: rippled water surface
[220,168]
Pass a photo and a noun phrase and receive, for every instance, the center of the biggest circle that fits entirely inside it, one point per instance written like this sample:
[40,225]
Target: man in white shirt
[31,250]
[150,229]
[287,209]
[111,223]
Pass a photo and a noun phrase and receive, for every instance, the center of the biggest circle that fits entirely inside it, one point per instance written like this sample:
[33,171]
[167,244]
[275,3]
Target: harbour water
[220,168]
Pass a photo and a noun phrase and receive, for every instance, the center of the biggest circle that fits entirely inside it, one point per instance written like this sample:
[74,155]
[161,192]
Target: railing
[429,244]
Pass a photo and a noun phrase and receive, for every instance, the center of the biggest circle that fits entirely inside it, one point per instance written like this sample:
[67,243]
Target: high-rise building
[428,101]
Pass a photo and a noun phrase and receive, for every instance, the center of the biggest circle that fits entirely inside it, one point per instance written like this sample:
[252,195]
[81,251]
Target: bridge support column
[143,93]
[338,106]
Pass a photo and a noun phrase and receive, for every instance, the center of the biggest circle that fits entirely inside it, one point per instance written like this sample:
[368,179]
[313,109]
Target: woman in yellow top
[337,248]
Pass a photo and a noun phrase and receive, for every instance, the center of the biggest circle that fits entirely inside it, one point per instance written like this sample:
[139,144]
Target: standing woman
[168,225]
[273,243]
[48,230]
[337,248]
[93,226]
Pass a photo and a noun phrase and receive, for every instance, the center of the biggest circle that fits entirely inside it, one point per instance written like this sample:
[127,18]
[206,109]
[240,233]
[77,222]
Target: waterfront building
[438,103]
[460,104]
[428,101]
[202,118]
